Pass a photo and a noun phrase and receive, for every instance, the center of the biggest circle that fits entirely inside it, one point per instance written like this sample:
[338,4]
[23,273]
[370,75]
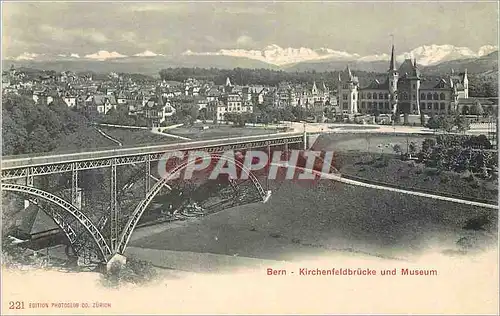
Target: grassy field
[88,137]
[306,219]
[410,174]
[219,131]
[369,142]
[361,156]
[137,137]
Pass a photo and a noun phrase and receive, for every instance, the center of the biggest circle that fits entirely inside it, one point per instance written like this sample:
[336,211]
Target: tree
[477,109]
[462,123]
[433,123]
[445,123]
[412,149]
[397,149]
[427,146]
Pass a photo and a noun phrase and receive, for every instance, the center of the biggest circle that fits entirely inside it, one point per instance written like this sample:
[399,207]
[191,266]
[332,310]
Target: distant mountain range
[433,58]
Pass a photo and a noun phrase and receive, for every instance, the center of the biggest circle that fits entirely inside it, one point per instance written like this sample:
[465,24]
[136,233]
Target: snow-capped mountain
[275,55]
[27,56]
[103,55]
[147,53]
[486,50]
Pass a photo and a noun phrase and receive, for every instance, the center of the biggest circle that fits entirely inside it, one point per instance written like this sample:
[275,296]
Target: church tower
[393,77]
[466,85]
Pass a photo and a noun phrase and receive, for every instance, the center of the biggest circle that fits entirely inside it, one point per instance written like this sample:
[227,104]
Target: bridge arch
[102,246]
[67,229]
[139,210]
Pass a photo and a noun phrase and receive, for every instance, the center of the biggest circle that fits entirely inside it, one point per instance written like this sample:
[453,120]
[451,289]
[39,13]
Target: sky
[174,27]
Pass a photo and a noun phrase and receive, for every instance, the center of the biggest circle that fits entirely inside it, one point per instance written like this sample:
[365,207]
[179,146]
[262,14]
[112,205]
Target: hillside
[142,65]
[379,66]
[484,64]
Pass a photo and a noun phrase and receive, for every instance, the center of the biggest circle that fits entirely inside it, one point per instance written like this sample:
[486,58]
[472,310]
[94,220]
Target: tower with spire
[228,87]
[392,77]
[347,92]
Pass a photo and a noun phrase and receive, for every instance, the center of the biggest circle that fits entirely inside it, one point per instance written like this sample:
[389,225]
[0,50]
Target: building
[404,91]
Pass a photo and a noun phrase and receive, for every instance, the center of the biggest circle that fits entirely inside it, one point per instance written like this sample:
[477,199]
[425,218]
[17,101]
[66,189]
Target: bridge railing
[105,153]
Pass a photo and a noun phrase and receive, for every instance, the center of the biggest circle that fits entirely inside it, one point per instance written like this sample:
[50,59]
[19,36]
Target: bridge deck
[33,160]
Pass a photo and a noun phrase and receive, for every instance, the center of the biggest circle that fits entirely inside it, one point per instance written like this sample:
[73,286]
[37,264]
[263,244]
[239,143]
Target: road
[374,128]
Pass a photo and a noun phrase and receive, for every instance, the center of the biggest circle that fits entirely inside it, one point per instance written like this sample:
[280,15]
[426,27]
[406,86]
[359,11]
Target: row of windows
[369,96]
[375,96]
[434,96]
[435,105]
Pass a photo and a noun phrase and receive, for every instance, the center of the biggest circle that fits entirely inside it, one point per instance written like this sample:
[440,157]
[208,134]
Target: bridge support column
[74,187]
[147,185]
[286,151]
[29,182]
[116,259]
[113,208]
[268,166]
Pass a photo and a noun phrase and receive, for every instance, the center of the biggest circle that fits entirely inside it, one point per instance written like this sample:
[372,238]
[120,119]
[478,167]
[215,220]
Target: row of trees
[29,128]
[448,123]
[120,116]
[262,76]
[454,153]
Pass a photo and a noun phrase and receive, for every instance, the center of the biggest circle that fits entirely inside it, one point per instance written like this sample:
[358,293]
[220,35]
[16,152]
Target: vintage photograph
[210,157]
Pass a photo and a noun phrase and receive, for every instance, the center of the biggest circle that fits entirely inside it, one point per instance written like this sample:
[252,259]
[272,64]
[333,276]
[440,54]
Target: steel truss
[114,209]
[19,172]
[100,243]
[139,210]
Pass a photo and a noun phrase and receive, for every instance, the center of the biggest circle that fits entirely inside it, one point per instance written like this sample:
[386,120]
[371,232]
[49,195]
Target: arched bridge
[104,235]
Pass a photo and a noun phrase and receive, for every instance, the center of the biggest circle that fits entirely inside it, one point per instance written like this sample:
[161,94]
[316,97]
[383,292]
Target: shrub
[445,178]
[477,223]
[134,271]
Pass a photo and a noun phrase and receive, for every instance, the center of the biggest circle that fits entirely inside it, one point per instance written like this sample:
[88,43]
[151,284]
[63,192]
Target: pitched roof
[377,85]
[101,99]
[435,84]
[408,69]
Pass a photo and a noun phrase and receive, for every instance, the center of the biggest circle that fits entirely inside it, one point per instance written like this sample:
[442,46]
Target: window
[387,96]
[414,86]
[354,96]
[387,105]
[344,96]
[346,86]
[380,96]
[405,96]
[381,105]
[369,105]
[369,95]
[374,96]
[442,106]
[436,106]
[435,96]
[422,105]
[362,95]
[441,96]
[429,96]
[429,106]
[422,96]
[344,105]
[362,105]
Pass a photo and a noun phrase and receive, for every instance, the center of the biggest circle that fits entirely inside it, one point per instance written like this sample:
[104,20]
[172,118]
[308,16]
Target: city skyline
[175,27]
